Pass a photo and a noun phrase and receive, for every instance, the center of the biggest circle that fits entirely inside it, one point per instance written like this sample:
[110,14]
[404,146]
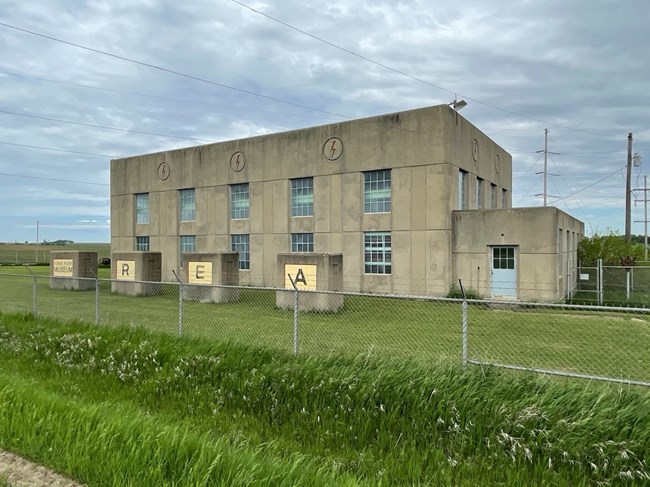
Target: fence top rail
[484,302]
[584,307]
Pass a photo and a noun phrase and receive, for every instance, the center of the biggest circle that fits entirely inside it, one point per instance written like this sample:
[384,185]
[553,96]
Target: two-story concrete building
[413,201]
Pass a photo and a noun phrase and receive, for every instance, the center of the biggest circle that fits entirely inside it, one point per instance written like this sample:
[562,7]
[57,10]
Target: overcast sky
[579,68]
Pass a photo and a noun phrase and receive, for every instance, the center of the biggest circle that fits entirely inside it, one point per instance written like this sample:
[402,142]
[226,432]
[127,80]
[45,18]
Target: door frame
[514,274]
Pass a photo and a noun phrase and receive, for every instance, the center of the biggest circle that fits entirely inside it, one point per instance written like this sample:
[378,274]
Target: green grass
[16,254]
[212,413]
[600,343]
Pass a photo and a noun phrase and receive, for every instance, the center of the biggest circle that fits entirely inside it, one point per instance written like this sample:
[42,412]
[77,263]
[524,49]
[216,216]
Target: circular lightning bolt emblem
[163,171]
[237,161]
[333,148]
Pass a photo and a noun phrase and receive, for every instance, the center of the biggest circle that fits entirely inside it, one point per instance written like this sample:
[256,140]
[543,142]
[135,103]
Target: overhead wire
[59,150]
[414,78]
[158,97]
[619,170]
[564,180]
[52,179]
[249,92]
[103,127]
[170,71]
[222,85]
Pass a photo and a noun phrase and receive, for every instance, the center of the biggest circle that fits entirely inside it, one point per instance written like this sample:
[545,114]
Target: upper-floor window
[493,195]
[187,205]
[504,199]
[302,242]
[462,189]
[376,191]
[142,208]
[479,193]
[239,201]
[302,197]
[142,244]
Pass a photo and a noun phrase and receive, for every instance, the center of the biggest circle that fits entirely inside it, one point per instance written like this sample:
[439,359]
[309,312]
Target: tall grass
[109,444]
[381,421]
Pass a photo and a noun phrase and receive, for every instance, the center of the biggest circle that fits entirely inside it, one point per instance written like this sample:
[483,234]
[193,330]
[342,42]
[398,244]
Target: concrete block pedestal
[205,273]
[310,272]
[73,270]
[136,273]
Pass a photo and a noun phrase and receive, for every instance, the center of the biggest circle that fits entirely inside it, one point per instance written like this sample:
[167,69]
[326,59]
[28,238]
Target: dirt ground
[23,473]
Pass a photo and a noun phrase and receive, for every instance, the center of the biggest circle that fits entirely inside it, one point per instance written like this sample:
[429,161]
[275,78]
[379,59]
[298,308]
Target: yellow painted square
[199,273]
[303,275]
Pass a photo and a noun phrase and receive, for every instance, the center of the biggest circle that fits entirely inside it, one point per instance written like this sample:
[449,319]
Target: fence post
[33,290]
[599,281]
[97,300]
[295,322]
[96,296]
[180,304]
[464,308]
[295,315]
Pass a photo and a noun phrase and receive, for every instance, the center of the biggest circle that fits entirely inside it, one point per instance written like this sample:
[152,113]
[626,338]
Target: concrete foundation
[206,274]
[136,273]
[310,272]
[73,270]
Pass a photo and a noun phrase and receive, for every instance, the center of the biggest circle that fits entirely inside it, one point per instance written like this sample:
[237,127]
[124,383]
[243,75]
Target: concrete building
[413,201]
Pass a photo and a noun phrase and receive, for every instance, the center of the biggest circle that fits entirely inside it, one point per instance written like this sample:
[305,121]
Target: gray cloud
[578,68]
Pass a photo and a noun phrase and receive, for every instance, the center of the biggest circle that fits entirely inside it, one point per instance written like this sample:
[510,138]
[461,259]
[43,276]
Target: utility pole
[645,214]
[545,165]
[545,172]
[628,192]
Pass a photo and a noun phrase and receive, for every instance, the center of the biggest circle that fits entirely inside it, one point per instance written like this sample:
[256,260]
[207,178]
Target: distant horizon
[51,242]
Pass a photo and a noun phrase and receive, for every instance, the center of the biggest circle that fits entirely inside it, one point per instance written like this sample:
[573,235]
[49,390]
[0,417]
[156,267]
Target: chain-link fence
[614,285]
[608,343]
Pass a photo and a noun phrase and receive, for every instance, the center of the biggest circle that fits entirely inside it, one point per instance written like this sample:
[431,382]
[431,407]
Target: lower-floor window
[302,242]
[241,244]
[142,244]
[187,244]
[377,252]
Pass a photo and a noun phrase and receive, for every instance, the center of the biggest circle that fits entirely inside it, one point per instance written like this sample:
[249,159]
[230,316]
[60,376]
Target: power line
[157,97]
[60,150]
[103,126]
[177,73]
[240,108]
[248,109]
[248,92]
[51,179]
[420,80]
[589,186]
[170,71]
[564,180]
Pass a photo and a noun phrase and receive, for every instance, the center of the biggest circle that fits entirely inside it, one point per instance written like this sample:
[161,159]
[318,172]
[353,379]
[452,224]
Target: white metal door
[503,272]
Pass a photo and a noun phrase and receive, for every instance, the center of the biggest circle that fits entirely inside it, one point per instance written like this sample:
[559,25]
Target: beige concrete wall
[424,149]
[534,234]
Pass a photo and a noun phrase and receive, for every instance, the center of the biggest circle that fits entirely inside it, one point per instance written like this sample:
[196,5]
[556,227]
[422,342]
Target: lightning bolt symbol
[333,148]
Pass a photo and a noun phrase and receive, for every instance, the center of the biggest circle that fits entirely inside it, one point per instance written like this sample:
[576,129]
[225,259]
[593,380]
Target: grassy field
[12,253]
[163,410]
[610,344]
